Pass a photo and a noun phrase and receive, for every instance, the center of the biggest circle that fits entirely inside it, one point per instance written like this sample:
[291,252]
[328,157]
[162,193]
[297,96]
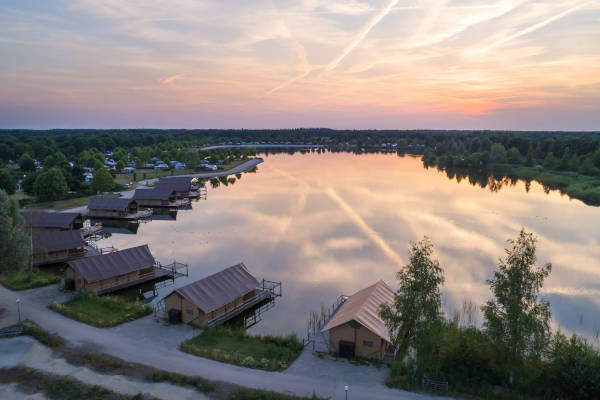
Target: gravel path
[157,352]
[25,351]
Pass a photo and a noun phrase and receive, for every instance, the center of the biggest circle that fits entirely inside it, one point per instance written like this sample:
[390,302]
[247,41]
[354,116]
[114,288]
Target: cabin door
[346,349]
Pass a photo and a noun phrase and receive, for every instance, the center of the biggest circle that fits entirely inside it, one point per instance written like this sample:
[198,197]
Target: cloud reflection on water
[334,223]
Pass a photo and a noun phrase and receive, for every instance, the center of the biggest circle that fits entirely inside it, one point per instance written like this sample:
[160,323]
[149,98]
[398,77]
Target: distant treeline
[567,161]
[39,144]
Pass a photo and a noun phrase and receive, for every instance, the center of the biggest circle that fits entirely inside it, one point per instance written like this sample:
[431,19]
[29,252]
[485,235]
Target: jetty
[218,298]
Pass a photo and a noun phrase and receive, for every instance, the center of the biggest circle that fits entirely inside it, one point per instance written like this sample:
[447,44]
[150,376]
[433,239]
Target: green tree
[587,167]
[15,252]
[514,155]
[103,181]
[497,153]
[26,163]
[8,182]
[551,162]
[529,158]
[417,303]
[50,185]
[517,318]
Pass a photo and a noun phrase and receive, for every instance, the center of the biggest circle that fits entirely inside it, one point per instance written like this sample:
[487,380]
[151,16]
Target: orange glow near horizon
[502,64]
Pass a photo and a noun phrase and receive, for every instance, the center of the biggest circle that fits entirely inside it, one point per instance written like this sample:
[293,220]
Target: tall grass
[23,279]
[271,353]
[101,311]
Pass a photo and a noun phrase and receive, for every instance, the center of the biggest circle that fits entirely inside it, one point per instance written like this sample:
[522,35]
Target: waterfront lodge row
[354,329]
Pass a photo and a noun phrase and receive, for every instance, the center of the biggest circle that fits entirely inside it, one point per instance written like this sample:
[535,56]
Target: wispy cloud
[171,79]
[529,29]
[358,37]
[361,34]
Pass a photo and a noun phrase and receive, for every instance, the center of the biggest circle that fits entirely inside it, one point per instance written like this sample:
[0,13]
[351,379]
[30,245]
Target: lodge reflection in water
[332,223]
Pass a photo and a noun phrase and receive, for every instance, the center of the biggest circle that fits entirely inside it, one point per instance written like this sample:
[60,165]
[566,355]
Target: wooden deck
[159,272]
[139,215]
[268,291]
[91,230]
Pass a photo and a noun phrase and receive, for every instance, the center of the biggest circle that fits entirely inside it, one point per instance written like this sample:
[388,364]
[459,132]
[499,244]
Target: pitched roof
[49,219]
[97,268]
[153,194]
[175,183]
[109,203]
[48,242]
[363,307]
[216,290]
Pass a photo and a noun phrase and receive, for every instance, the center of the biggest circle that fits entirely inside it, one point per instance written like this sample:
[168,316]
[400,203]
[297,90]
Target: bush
[571,370]
[23,279]
[196,382]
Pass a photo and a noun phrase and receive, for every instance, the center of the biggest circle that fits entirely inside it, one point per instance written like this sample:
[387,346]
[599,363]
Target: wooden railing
[430,384]
[317,322]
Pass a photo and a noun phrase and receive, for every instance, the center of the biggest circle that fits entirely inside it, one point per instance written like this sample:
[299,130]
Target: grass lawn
[270,353]
[159,173]
[66,204]
[101,311]
[25,280]
[232,164]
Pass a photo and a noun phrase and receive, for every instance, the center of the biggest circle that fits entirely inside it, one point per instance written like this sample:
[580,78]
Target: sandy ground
[25,351]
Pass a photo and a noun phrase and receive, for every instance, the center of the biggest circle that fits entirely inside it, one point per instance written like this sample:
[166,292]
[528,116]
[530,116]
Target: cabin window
[187,310]
[180,296]
[367,343]
[79,281]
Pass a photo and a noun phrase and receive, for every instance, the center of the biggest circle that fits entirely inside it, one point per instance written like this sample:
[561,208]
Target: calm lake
[333,223]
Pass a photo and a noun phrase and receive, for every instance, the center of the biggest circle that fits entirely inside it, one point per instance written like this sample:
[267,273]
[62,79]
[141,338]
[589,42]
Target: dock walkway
[319,341]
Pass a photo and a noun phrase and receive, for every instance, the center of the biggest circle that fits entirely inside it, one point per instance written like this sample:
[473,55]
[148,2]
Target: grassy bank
[269,353]
[24,279]
[575,185]
[255,394]
[43,336]
[101,311]
[57,387]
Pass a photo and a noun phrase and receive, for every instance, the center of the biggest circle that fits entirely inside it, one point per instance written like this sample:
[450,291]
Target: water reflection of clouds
[322,223]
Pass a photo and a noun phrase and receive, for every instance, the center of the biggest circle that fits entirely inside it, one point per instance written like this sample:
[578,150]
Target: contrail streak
[367,230]
[171,79]
[355,217]
[361,34]
[530,29]
[364,31]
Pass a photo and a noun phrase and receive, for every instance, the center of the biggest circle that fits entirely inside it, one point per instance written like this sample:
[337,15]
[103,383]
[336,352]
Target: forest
[565,161]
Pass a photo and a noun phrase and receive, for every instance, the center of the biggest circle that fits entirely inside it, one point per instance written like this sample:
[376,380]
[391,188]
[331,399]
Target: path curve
[146,351]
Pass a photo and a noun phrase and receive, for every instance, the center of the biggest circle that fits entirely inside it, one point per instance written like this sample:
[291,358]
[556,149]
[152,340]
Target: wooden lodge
[218,297]
[113,271]
[158,197]
[182,186]
[52,221]
[356,328]
[117,208]
[50,247]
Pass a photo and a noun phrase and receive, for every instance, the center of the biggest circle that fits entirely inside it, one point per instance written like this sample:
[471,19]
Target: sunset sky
[386,64]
